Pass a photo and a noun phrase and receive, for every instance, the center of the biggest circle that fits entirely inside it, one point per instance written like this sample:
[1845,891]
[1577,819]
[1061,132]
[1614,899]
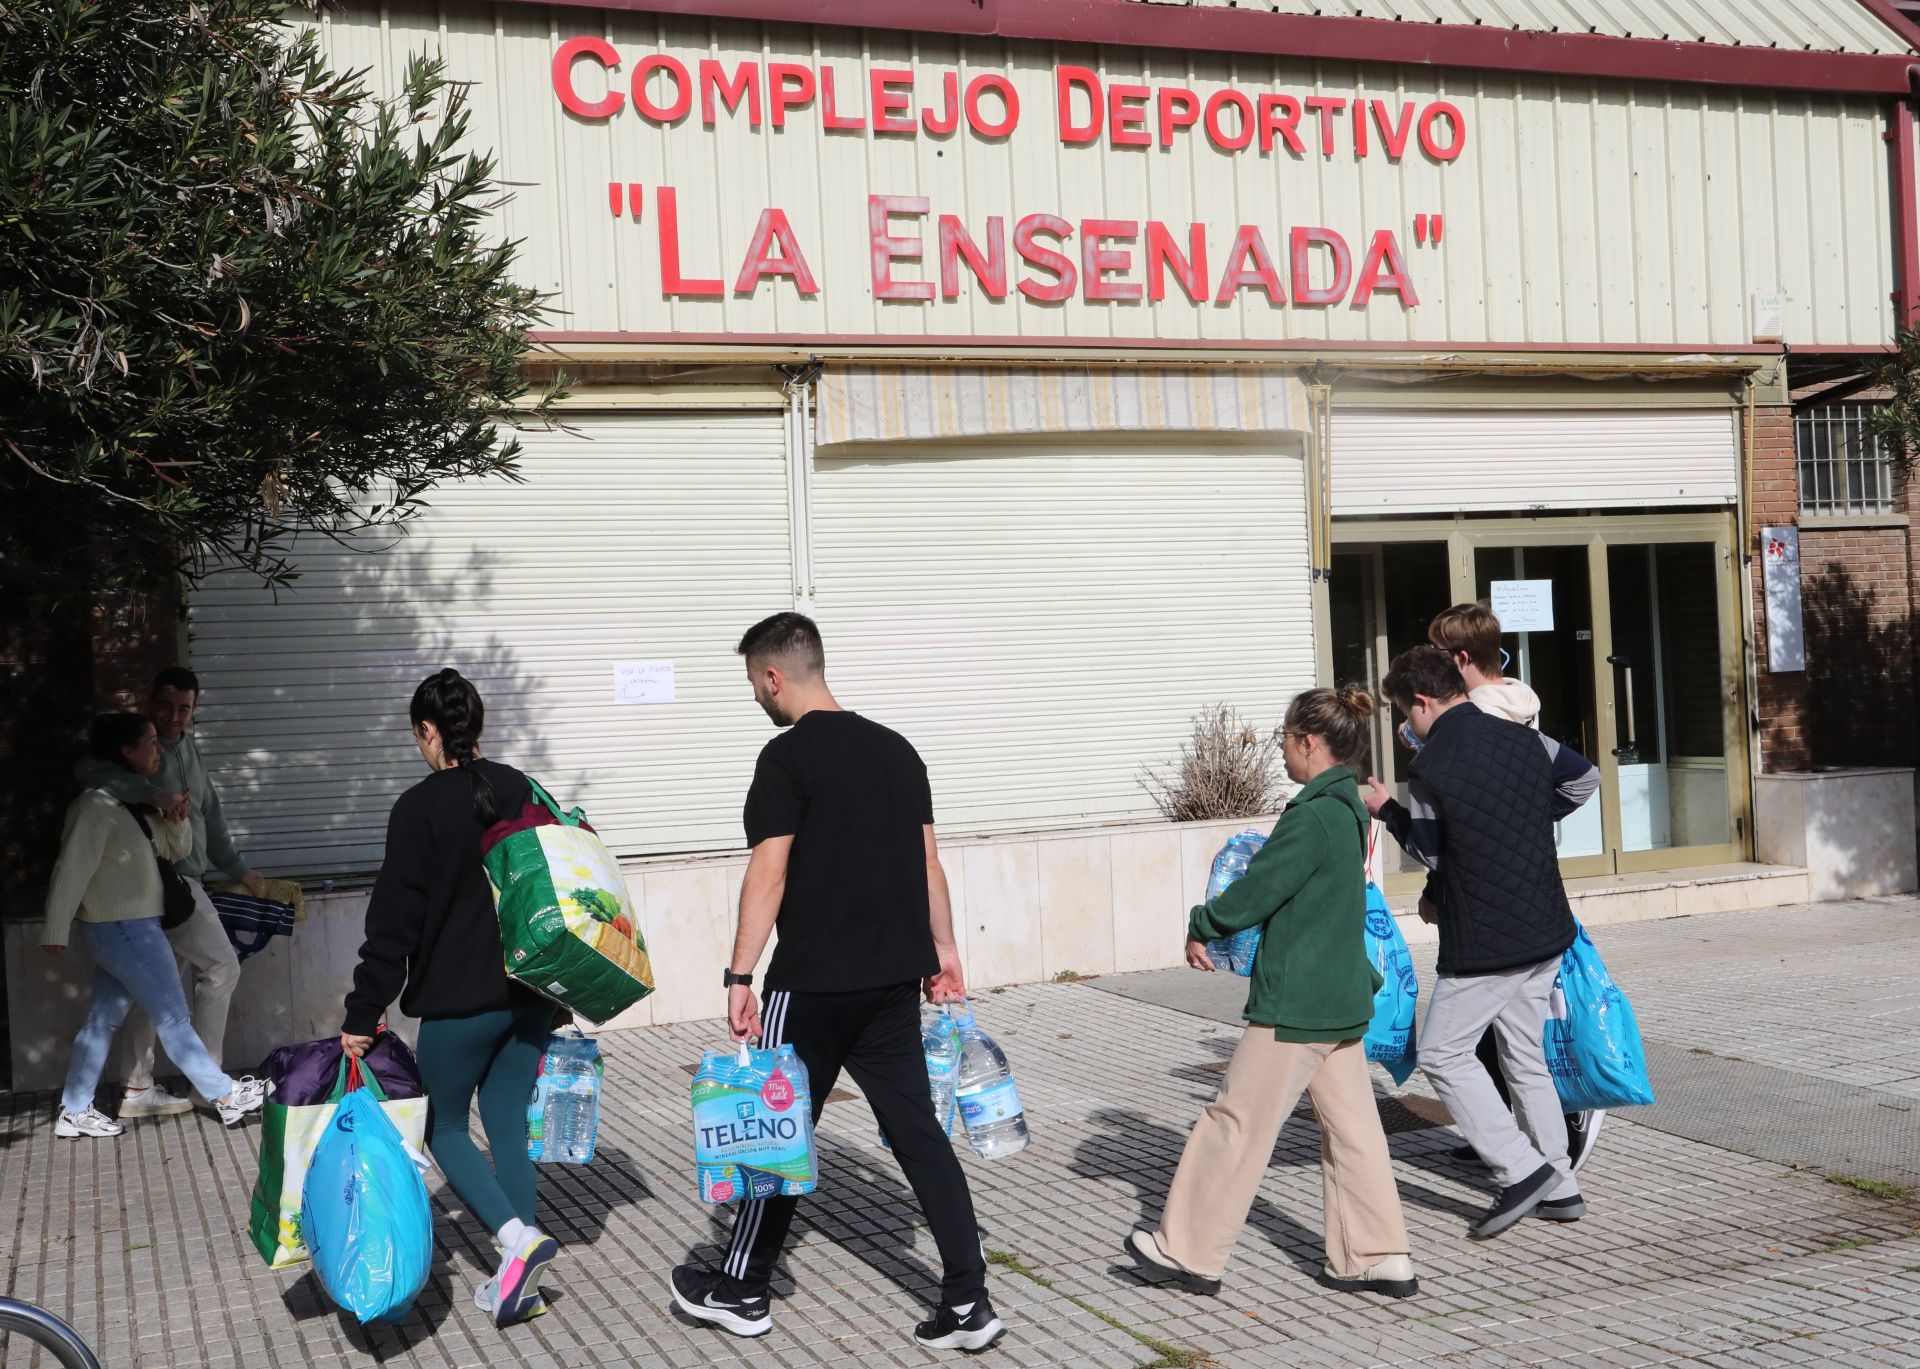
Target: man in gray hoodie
[181,788]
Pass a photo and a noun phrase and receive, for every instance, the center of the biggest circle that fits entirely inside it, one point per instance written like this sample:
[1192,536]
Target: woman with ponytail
[1308,1005]
[433,941]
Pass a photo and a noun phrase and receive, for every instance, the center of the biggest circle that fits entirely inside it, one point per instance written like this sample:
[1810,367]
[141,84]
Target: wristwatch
[744,980]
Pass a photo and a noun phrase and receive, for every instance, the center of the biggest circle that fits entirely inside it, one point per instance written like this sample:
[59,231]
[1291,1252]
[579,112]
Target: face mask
[1407,739]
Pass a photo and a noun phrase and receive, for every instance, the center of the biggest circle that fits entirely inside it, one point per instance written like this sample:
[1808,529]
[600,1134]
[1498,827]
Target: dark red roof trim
[1129,23]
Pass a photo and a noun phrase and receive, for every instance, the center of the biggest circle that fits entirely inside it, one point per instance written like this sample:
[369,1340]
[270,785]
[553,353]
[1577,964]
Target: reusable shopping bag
[1592,1039]
[1390,1035]
[566,922]
[309,1081]
[364,1209]
[563,1113]
[752,1125]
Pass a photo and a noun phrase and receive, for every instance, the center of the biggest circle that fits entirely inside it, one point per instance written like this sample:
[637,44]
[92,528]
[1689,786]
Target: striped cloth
[251,922]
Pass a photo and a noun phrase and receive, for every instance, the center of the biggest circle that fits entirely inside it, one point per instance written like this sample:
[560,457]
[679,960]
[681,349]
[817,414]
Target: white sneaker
[71,1126]
[248,1095]
[153,1101]
[486,1297]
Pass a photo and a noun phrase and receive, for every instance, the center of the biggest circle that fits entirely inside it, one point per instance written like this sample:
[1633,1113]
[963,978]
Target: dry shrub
[1228,769]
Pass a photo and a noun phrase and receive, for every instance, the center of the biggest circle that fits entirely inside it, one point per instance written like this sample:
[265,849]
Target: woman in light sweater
[108,881]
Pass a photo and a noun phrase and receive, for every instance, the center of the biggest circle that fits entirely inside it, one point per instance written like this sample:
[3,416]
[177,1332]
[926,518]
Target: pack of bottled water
[563,1115]
[940,1043]
[1234,952]
[752,1125]
[984,1089]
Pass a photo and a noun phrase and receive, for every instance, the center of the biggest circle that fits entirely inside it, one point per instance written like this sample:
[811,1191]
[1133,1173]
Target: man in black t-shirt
[840,820]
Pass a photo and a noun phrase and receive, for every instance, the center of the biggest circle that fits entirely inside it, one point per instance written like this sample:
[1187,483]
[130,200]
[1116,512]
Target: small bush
[1228,769]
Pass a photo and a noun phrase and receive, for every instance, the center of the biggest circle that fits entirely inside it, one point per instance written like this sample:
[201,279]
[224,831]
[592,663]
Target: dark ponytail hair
[110,734]
[449,701]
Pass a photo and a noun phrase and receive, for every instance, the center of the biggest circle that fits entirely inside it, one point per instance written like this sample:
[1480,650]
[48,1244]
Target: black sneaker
[1562,1209]
[1466,1155]
[973,1333]
[698,1293]
[1156,1266]
[1515,1202]
[1583,1129]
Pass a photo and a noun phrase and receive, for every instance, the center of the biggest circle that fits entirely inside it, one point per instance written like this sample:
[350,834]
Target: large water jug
[940,1043]
[563,1118]
[989,1101]
[1236,952]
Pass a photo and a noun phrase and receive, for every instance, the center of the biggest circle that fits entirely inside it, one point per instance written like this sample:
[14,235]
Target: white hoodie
[1513,700]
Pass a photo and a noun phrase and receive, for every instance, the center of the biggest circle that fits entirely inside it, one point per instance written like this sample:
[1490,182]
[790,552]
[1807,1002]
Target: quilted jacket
[1485,794]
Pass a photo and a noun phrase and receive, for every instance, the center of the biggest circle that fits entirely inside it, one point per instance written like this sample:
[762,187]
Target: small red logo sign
[777,1092]
[723,1192]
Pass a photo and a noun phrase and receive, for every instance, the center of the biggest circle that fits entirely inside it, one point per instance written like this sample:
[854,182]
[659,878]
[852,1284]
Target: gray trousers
[1514,1003]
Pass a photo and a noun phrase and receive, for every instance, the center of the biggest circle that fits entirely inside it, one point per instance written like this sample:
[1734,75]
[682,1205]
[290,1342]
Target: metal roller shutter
[1043,619]
[1395,461]
[639,537]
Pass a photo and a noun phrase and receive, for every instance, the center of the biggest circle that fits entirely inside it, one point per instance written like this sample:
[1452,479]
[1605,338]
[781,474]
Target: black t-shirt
[854,797]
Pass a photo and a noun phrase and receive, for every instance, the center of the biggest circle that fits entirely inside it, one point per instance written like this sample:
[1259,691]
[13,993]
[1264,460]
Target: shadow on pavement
[1132,1147]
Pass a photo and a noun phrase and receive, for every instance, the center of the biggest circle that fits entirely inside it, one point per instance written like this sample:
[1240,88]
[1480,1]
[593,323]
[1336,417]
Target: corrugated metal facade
[1396,461]
[1578,212]
[1819,25]
[648,537]
[1044,618]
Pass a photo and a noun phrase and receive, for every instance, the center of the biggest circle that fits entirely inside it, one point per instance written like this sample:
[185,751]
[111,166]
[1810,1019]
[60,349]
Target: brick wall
[1855,703]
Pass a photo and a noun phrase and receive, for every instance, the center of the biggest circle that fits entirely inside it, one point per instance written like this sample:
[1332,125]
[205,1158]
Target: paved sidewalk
[1700,1247]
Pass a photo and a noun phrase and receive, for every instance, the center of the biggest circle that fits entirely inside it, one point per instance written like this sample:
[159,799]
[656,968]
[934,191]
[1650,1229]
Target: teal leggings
[496,1054]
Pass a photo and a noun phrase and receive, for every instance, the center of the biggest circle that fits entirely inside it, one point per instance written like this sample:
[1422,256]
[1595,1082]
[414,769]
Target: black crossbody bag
[176,895]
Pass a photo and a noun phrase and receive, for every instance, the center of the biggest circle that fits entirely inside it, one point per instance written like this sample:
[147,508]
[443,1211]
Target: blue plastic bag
[1236,952]
[1592,1040]
[364,1210]
[1390,1036]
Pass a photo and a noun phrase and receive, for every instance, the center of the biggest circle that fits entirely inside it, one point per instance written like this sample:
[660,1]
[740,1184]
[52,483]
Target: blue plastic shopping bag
[1390,1036]
[364,1210]
[1592,1039]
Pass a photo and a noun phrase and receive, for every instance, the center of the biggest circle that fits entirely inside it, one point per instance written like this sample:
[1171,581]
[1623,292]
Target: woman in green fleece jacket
[1308,1005]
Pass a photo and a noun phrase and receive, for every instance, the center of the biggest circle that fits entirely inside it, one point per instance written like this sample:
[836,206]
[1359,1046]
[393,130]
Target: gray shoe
[1562,1209]
[1516,1201]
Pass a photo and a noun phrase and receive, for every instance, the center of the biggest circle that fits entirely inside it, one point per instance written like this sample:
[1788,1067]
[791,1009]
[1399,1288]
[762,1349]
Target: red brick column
[1782,701]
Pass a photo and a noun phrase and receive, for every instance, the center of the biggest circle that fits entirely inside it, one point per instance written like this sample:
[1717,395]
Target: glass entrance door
[1626,631]
[1673,688]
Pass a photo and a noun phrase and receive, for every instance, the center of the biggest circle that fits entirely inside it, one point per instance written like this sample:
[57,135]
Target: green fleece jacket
[1312,978]
[180,768]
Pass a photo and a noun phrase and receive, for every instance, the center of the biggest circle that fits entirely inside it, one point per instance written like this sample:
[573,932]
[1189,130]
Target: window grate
[1844,468]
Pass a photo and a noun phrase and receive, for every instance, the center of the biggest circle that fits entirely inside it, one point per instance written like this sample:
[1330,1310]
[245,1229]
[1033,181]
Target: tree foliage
[1897,421]
[240,297]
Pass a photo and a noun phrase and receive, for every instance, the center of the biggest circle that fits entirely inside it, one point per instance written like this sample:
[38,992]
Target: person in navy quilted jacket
[1483,796]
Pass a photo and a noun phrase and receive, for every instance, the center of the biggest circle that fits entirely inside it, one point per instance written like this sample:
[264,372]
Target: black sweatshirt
[431,924]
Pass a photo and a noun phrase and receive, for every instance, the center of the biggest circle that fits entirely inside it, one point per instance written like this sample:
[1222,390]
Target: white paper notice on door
[643,682]
[1523,605]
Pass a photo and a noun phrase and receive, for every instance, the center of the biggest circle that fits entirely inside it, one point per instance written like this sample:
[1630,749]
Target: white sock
[962,1311]
[514,1232]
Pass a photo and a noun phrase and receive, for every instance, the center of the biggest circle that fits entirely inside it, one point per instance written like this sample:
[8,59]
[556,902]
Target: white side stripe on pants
[747,1229]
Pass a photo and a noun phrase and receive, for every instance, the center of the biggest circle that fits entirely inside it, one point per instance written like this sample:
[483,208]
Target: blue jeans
[133,963]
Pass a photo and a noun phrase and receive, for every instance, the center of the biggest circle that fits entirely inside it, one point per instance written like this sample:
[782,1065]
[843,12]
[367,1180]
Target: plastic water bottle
[570,1112]
[940,1043]
[989,1101]
[1234,952]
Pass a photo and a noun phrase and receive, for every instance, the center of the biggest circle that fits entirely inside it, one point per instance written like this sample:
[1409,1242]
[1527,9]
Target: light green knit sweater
[106,871]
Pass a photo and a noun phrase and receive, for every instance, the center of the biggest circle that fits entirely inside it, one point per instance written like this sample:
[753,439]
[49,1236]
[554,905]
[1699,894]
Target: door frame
[1464,535]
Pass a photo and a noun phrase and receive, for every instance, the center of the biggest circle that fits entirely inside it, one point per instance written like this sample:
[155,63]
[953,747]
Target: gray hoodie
[180,768]
[1511,699]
